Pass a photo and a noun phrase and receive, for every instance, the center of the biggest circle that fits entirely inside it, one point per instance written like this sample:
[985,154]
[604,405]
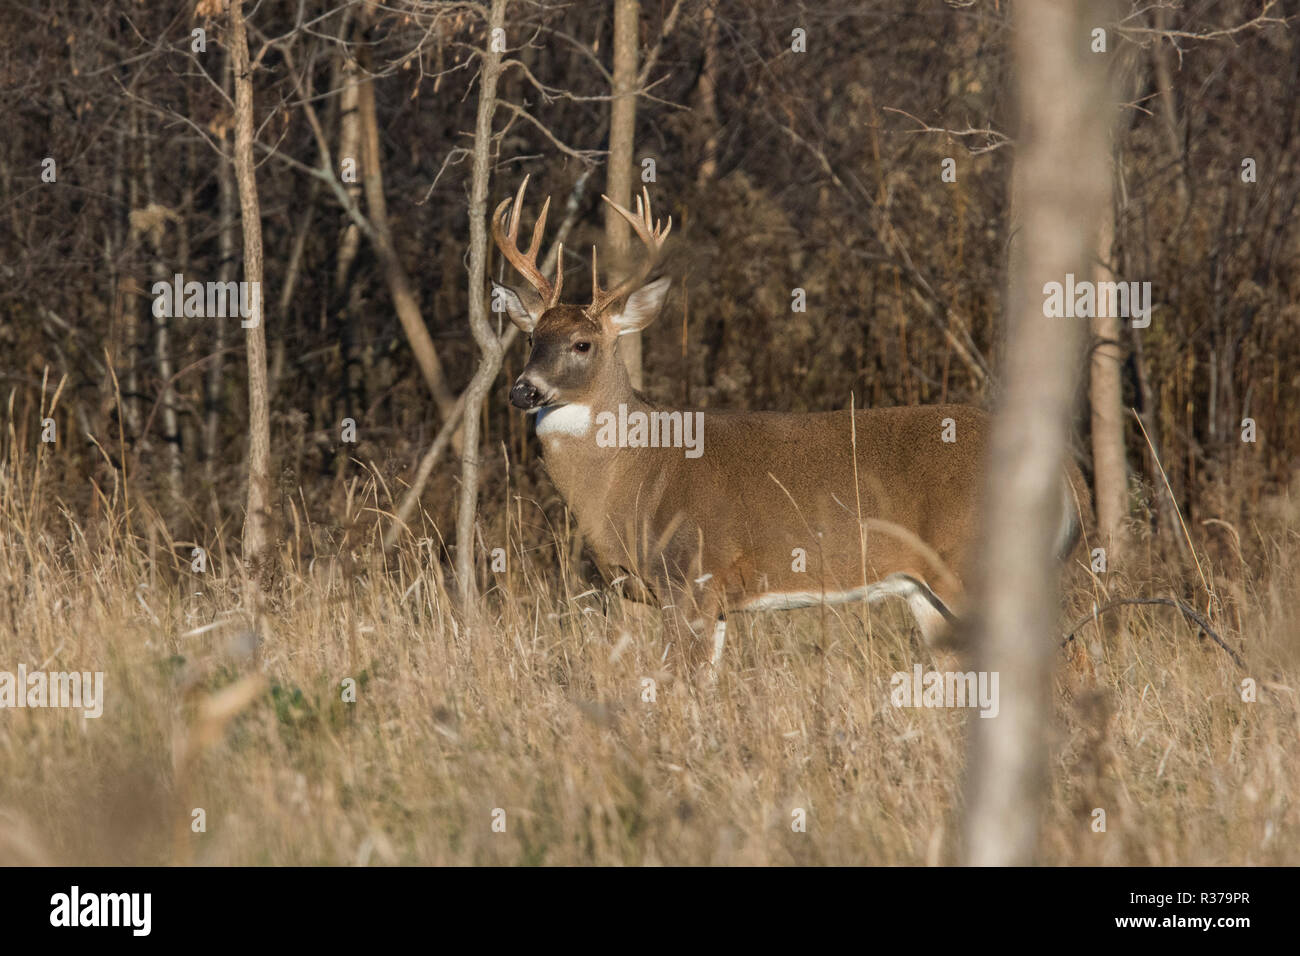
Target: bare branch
[586,156]
[996,140]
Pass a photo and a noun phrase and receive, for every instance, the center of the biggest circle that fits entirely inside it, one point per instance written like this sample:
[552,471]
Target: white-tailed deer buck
[714,512]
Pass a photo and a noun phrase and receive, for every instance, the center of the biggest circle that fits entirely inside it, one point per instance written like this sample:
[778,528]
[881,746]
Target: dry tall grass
[538,710]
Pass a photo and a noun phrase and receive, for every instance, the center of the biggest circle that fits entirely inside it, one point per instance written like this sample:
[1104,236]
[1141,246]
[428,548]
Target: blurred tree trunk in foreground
[1060,182]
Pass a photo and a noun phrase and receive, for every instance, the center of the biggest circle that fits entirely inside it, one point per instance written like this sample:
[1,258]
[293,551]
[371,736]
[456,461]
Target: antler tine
[595,277]
[658,236]
[642,221]
[651,235]
[538,229]
[507,241]
[516,208]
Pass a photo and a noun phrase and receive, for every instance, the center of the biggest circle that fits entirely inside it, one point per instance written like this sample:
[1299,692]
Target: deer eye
[582,346]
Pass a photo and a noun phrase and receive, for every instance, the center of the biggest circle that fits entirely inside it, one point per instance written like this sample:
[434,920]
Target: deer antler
[649,232]
[507,240]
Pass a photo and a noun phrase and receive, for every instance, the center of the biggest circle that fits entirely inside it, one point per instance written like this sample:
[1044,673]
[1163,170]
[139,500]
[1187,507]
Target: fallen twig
[1190,613]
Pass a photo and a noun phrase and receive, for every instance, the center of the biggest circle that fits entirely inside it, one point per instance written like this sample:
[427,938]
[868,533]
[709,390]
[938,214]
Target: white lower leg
[719,640]
[929,619]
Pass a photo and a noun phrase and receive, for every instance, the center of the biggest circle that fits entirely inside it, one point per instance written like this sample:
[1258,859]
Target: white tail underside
[925,605]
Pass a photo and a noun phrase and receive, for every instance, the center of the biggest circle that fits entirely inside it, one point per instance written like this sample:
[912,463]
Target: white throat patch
[574,420]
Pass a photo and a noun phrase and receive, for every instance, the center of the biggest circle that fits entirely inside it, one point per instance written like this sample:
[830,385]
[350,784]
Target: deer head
[574,352]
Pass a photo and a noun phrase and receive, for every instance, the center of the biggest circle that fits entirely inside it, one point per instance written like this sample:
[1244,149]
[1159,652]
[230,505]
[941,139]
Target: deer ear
[506,299]
[642,306]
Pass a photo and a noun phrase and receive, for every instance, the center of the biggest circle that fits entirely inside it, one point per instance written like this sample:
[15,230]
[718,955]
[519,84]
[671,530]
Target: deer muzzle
[525,394]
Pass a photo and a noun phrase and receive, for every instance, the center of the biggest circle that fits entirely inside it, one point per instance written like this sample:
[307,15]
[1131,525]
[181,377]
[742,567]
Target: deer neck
[571,428]
[586,473]
[568,433]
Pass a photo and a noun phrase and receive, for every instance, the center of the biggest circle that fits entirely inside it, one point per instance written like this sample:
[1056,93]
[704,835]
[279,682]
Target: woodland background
[780,169]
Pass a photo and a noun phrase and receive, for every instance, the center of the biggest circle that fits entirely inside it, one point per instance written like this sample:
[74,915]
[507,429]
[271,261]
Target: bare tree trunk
[162,341]
[707,107]
[349,150]
[131,400]
[1061,181]
[484,335]
[225,273]
[114,249]
[347,295]
[399,283]
[291,273]
[622,140]
[1168,107]
[257,519]
[1105,395]
[170,421]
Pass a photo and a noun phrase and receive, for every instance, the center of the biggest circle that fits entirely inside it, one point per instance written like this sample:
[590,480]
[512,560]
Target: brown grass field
[539,710]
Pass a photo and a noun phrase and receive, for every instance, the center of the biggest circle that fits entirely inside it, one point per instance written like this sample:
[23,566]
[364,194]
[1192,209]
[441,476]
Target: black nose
[525,395]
